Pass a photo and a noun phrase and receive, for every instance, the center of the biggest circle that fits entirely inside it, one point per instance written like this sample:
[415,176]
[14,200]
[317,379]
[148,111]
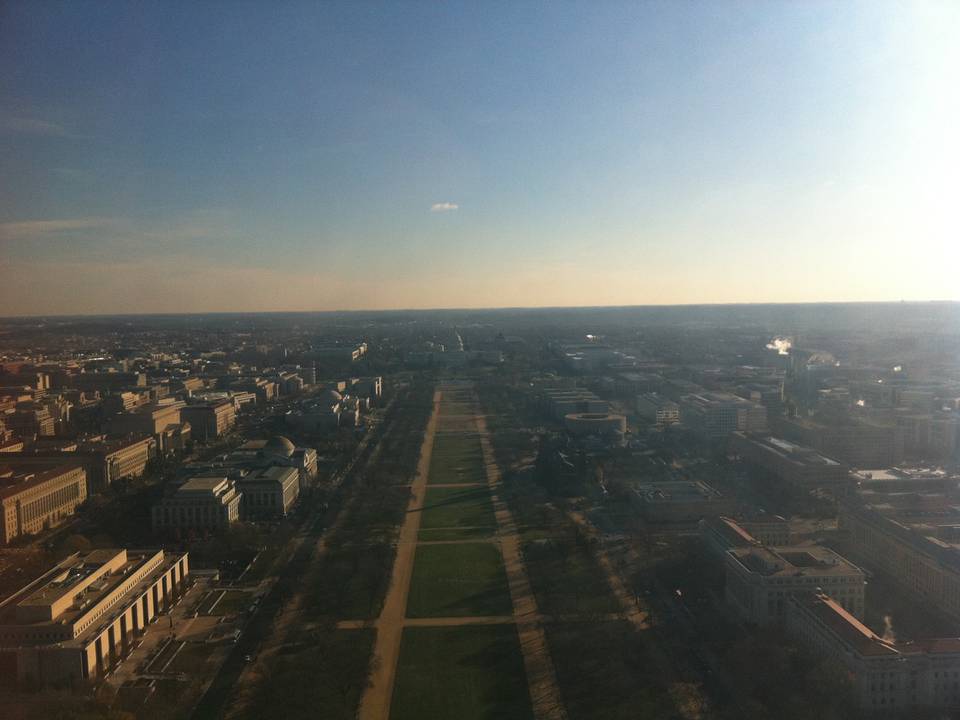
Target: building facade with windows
[36,496]
[80,619]
[887,676]
[201,503]
[210,421]
[269,493]
[760,580]
[926,567]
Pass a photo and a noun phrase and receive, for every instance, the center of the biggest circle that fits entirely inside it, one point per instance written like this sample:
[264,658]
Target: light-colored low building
[201,503]
[269,493]
[80,619]
[210,421]
[761,579]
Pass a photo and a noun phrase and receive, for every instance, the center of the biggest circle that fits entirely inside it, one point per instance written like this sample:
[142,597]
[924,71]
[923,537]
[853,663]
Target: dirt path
[479,620]
[375,704]
[541,678]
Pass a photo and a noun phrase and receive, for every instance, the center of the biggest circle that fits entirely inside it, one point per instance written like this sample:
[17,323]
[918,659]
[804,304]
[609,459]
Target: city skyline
[198,159]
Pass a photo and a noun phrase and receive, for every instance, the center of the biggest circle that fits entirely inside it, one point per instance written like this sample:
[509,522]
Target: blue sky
[282,156]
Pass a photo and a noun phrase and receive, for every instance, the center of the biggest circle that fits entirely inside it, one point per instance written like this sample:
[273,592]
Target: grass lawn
[461,673]
[566,579]
[605,674]
[456,458]
[458,508]
[191,659]
[352,582]
[458,580]
[261,566]
[324,678]
[160,661]
[233,602]
[208,600]
[464,533]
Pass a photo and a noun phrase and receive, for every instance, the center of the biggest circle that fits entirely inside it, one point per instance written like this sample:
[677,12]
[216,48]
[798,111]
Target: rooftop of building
[203,484]
[84,578]
[708,397]
[788,450]
[731,531]
[844,625]
[594,416]
[274,473]
[793,561]
[73,574]
[15,477]
[674,491]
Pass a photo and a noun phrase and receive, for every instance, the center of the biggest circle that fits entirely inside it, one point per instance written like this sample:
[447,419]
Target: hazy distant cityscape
[692,512]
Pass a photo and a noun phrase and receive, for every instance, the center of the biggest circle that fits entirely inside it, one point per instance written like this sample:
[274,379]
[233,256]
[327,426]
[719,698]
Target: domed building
[278,445]
[329,397]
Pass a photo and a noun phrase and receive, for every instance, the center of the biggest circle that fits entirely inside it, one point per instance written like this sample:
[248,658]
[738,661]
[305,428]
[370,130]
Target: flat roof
[793,561]
[32,474]
[203,483]
[676,491]
[846,626]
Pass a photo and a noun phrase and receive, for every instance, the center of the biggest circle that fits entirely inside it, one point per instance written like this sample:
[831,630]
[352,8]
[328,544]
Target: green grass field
[468,511]
[461,673]
[458,580]
[566,579]
[322,678]
[232,603]
[192,659]
[605,673]
[456,458]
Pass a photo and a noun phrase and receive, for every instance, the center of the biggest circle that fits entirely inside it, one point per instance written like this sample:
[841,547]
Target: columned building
[80,619]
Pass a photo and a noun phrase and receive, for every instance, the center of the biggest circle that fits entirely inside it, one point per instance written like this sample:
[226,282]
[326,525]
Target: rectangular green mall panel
[458,580]
[470,507]
[471,672]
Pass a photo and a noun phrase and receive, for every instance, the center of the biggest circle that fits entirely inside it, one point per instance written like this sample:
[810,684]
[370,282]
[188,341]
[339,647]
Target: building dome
[330,397]
[279,445]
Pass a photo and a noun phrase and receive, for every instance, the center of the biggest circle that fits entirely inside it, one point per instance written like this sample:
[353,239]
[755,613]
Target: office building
[210,421]
[926,567]
[858,443]
[203,503]
[269,493]
[80,619]
[760,579]
[714,415]
[720,534]
[36,496]
[680,501]
[789,464]
[655,408]
[888,676]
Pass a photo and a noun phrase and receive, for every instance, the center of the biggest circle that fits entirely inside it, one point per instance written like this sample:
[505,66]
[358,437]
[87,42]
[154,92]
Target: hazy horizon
[217,157]
[494,309]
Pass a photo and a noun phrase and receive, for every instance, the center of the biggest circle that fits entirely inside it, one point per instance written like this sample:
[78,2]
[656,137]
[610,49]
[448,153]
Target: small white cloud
[31,126]
[444,207]
[38,229]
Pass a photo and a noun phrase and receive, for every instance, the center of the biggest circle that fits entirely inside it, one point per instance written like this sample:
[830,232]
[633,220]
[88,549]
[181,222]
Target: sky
[232,156]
